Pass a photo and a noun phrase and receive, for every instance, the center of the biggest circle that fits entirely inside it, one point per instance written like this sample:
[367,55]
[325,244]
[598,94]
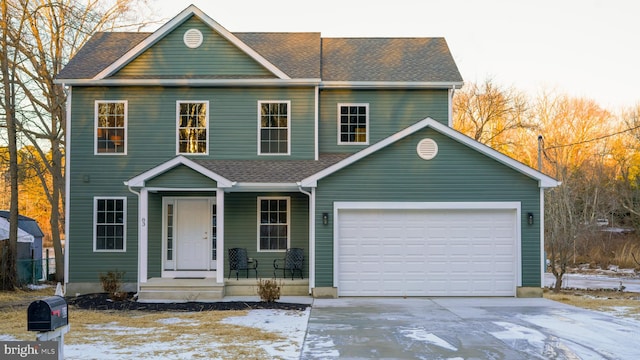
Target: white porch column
[312,239]
[220,236]
[143,235]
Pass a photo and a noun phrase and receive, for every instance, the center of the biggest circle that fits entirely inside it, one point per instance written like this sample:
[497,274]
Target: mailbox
[47,314]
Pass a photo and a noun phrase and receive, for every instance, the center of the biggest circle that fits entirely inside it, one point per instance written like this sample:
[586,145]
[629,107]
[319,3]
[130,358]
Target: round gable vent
[192,38]
[427,149]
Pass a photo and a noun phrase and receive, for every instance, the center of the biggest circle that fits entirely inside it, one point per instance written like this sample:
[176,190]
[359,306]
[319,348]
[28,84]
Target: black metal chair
[293,261]
[238,260]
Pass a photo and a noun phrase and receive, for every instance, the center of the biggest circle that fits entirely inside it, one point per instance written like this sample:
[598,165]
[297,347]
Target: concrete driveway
[465,328]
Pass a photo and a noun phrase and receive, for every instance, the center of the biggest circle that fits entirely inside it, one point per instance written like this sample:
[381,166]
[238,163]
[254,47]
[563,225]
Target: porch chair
[238,260]
[293,261]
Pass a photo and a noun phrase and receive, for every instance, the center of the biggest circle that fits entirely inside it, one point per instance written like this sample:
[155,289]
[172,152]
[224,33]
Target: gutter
[312,235]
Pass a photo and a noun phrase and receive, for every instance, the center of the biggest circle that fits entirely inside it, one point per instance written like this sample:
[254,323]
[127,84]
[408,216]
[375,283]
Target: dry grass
[203,334]
[625,304]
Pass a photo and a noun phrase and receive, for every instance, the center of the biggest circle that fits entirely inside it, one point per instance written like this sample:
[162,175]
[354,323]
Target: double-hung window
[273,223]
[110,127]
[353,124]
[110,216]
[193,125]
[274,119]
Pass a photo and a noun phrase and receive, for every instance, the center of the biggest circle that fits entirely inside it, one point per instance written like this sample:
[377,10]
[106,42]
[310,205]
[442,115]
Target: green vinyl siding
[241,228]
[181,177]
[215,57]
[233,121]
[389,112]
[456,174]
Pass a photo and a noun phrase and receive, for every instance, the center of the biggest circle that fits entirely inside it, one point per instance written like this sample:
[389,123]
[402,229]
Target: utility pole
[540,143]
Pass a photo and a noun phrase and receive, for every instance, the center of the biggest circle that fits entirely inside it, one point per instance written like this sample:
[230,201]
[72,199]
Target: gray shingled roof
[99,52]
[270,171]
[296,54]
[303,56]
[388,59]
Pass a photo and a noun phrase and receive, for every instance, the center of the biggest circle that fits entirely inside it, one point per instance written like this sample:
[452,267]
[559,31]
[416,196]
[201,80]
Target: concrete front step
[249,287]
[180,290]
[207,289]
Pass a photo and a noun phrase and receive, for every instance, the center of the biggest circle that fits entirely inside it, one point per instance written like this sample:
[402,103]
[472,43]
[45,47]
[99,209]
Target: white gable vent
[192,38]
[427,149]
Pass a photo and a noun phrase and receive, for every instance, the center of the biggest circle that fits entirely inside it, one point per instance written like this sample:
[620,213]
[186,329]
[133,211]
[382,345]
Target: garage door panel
[426,252]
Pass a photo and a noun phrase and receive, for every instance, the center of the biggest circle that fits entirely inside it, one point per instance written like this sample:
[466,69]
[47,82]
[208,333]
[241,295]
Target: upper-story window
[273,127]
[110,127]
[353,124]
[193,120]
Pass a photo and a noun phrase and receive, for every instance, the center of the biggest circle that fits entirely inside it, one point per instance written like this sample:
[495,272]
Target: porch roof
[269,171]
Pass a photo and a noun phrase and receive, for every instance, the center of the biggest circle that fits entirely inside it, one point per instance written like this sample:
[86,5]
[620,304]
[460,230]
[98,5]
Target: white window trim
[288,102]
[124,224]
[95,126]
[288,199]
[206,102]
[340,142]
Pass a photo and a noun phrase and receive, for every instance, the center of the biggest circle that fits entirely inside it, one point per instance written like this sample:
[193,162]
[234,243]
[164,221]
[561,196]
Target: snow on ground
[292,325]
[593,281]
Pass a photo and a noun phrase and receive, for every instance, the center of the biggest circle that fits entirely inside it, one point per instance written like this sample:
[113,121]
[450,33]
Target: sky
[583,48]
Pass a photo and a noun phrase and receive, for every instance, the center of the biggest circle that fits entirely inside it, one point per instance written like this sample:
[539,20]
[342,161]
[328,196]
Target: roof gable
[304,59]
[175,23]
[544,181]
[215,57]
[178,161]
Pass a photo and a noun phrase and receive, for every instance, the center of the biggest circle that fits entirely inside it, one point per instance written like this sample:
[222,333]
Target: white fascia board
[544,181]
[139,181]
[253,187]
[391,85]
[312,181]
[189,82]
[174,23]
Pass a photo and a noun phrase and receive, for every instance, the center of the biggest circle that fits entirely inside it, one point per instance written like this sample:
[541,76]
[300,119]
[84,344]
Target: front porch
[208,289]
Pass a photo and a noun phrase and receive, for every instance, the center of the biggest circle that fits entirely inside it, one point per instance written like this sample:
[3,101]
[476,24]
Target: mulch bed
[101,301]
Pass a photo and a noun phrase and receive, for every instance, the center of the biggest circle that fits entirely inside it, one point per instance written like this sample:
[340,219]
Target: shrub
[268,290]
[112,284]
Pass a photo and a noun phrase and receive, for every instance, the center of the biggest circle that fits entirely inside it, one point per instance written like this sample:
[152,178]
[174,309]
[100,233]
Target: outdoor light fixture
[530,218]
[325,218]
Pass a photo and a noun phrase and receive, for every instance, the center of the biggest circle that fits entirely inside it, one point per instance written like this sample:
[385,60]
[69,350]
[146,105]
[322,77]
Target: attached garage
[427,249]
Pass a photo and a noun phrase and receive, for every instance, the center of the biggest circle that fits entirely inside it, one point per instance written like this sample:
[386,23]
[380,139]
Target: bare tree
[8,104]
[491,114]
[53,32]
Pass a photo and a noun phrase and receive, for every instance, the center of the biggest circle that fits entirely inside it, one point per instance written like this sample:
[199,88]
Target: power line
[594,139]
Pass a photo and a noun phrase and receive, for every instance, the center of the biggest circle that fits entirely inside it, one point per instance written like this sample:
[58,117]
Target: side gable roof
[426,60]
[544,181]
[294,58]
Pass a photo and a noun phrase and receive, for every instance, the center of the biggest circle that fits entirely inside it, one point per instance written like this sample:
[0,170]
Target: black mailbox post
[47,314]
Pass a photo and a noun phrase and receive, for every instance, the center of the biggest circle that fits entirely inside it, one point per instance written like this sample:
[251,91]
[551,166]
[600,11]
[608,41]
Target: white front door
[193,234]
[189,237]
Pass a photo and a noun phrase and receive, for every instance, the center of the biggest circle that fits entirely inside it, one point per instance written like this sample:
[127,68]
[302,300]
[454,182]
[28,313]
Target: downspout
[451,92]
[312,235]
[139,253]
[316,120]
[67,186]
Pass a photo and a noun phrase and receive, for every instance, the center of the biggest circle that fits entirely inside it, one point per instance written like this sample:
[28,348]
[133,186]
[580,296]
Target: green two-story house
[192,140]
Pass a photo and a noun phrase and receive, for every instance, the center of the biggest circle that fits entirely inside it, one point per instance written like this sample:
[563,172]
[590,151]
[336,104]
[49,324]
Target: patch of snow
[291,324]
[424,336]
[38,287]
[320,347]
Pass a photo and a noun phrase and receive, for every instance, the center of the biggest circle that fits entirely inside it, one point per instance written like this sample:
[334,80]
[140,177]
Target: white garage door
[411,252]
